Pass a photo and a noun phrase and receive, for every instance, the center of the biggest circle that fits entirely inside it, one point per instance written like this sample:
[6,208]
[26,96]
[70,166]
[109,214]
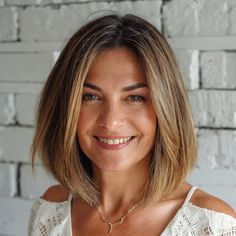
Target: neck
[120,190]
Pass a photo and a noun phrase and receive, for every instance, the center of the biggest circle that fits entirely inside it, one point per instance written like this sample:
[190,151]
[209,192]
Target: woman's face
[117,122]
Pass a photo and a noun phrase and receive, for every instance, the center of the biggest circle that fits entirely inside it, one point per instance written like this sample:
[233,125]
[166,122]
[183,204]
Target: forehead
[118,65]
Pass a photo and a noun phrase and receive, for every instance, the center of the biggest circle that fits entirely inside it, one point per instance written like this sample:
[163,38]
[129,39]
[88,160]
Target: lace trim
[194,220]
[47,219]
[51,219]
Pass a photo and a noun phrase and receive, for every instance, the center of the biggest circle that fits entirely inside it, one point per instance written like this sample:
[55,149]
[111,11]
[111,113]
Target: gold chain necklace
[119,221]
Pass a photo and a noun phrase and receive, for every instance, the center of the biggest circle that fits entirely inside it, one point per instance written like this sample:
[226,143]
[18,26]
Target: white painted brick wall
[22,2]
[32,188]
[7,111]
[217,149]
[180,18]
[28,67]
[233,21]
[213,17]
[218,69]
[15,143]
[8,178]
[213,108]
[199,18]
[14,216]
[8,24]
[47,23]
[26,108]
[203,34]
[189,64]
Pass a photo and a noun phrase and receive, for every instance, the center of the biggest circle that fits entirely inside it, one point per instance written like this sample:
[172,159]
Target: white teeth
[110,141]
[114,141]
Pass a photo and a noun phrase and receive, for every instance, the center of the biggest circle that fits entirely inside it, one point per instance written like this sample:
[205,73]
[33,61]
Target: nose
[111,116]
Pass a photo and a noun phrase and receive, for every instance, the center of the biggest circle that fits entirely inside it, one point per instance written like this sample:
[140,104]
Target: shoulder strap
[70,197]
[190,193]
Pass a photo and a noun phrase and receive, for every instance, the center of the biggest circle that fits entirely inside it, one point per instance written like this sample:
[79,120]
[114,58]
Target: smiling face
[117,122]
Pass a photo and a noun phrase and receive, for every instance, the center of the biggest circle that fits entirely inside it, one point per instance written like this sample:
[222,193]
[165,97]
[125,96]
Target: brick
[46,23]
[213,17]
[231,3]
[29,67]
[22,2]
[216,149]
[180,18]
[49,23]
[34,186]
[8,184]
[14,216]
[227,141]
[208,149]
[55,1]
[20,87]
[69,1]
[212,68]
[201,17]
[189,66]
[25,108]
[220,183]
[15,144]
[8,24]
[218,69]
[213,108]
[233,21]
[7,111]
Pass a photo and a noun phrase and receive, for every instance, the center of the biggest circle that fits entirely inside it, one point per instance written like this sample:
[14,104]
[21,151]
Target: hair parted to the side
[55,138]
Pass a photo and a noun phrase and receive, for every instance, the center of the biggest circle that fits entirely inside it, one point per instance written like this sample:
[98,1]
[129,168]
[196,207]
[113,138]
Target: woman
[115,129]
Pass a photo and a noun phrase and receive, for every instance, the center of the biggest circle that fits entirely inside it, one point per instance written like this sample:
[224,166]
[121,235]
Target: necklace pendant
[110,227]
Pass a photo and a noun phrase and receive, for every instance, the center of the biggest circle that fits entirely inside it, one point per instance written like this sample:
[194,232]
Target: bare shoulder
[56,193]
[206,200]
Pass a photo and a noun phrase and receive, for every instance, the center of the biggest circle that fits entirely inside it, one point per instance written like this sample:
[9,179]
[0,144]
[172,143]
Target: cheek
[86,117]
[148,125]
[146,119]
[83,124]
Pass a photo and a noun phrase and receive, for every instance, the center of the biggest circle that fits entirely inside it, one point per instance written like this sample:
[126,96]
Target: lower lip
[114,146]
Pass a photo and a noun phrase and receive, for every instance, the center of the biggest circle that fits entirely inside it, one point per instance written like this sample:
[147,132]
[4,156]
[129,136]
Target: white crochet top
[54,219]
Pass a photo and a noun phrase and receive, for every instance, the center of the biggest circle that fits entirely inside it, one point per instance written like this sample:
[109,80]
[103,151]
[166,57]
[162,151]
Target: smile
[115,141]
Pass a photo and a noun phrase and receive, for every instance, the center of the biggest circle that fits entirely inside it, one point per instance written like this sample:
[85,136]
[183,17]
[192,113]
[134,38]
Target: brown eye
[90,97]
[136,98]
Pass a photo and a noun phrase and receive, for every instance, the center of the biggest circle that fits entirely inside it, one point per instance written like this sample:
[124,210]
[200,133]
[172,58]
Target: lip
[113,146]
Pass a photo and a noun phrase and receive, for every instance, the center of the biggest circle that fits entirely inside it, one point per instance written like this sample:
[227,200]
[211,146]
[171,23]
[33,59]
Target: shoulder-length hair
[55,139]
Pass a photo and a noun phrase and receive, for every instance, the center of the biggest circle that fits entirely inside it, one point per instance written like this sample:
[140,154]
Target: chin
[112,166]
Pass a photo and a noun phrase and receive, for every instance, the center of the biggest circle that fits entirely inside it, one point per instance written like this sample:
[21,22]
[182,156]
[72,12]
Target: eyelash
[131,98]
[136,98]
[90,97]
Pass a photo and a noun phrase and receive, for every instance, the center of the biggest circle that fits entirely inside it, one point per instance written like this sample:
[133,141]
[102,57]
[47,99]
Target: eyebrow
[125,89]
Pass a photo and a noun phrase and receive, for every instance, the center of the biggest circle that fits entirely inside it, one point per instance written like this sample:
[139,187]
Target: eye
[136,98]
[90,97]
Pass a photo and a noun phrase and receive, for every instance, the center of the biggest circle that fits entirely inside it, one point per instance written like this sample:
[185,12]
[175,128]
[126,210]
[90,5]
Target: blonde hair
[55,137]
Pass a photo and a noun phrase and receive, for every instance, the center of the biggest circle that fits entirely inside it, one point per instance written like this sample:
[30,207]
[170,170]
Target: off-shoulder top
[54,219]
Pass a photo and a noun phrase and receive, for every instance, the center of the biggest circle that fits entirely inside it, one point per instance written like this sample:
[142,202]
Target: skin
[108,110]
[114,109]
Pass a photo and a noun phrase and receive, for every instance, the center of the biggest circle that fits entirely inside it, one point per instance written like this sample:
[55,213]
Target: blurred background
[32,33]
